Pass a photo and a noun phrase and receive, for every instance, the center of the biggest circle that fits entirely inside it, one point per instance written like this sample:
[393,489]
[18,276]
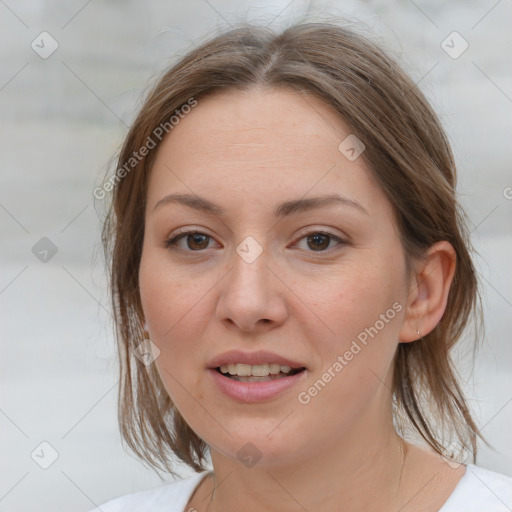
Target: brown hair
[407,153]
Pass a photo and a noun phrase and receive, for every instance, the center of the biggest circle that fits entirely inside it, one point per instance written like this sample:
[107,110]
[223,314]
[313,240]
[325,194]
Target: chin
[266,446]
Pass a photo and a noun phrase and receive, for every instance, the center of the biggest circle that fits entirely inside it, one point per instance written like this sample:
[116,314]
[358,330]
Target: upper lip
[259,357]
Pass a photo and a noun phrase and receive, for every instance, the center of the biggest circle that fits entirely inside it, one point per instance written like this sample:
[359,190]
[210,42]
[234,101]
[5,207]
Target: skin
[249,151]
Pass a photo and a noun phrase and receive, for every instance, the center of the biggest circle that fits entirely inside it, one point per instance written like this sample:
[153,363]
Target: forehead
[244,122]
[259,143]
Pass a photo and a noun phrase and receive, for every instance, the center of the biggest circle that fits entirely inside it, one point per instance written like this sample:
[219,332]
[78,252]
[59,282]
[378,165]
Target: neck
[361,470]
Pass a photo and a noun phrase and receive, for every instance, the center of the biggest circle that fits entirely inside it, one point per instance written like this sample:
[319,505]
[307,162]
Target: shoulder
[171,497]
[480,490]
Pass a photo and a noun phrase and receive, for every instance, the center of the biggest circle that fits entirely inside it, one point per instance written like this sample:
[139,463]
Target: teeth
[274,368]
[243,370]
[255,370]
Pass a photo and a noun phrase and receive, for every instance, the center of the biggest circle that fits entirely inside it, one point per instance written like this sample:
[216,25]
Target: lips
[255,390]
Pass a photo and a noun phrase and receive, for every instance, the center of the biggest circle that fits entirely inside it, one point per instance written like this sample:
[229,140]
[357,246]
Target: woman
[289,270]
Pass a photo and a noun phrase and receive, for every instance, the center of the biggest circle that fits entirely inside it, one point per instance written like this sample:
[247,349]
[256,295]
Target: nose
[252,298]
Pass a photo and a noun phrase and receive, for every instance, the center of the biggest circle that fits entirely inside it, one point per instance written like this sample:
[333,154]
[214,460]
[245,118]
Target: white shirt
[479,490]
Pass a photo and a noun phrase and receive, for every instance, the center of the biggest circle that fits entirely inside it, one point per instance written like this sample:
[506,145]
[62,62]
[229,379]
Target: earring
[146,333]
[418,333]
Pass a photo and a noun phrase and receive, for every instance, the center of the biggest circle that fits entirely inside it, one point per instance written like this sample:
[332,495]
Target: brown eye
[195,241]
[317,241]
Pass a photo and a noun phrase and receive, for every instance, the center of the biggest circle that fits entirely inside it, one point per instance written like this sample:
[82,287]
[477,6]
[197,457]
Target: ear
[428,292]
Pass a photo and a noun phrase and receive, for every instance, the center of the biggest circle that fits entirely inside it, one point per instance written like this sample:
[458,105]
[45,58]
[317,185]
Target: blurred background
[72,78]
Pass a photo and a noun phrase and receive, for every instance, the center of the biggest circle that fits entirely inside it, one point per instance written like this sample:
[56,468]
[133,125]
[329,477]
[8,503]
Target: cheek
[363,312]
[174,310]
[168,293]
[356,298]
[362,308]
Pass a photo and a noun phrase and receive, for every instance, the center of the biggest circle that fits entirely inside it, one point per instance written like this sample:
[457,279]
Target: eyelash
[171,243]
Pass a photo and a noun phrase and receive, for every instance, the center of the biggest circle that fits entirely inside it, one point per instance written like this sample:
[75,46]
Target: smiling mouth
[284,371]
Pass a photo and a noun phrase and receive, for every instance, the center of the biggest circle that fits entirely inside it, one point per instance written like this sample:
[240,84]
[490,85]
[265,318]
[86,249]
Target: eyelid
[304,231]
[189,230]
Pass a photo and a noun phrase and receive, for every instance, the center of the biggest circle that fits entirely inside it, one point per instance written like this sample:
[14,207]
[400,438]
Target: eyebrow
[284,209]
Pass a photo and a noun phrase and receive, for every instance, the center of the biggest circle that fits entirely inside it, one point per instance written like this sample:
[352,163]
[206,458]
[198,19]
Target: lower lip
[253,392]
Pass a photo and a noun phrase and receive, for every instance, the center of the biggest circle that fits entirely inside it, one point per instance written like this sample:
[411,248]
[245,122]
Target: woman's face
[321,284]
